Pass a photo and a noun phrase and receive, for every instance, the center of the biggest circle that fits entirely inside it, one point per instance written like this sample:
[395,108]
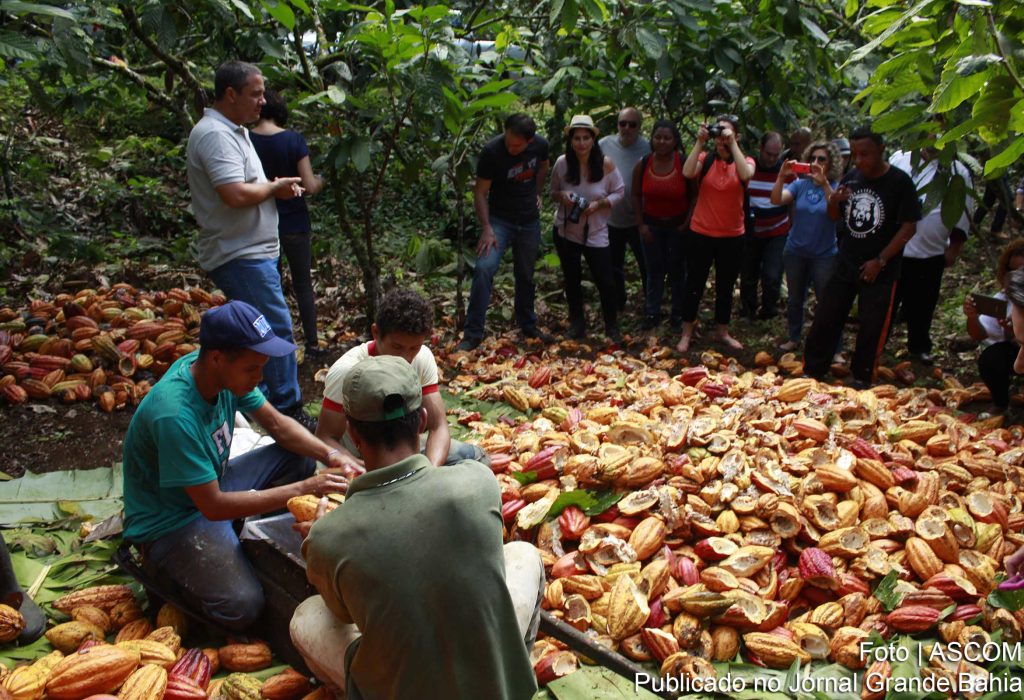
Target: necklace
[396,479]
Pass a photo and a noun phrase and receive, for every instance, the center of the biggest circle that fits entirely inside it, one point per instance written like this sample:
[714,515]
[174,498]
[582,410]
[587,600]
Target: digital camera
[579,205]
[714,131]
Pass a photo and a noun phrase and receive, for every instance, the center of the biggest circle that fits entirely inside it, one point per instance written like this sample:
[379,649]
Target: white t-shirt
[932,236]
[991,325]
[424,364]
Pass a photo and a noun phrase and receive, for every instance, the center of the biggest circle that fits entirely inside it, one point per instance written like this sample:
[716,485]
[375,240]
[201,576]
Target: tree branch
[996,34]
[173,62]
[154,93]
[297,38]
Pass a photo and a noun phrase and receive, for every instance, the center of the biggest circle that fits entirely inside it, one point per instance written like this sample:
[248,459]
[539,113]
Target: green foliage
[947,74]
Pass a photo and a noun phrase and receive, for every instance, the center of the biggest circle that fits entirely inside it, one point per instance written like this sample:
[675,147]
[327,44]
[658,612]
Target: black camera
[579,205]
[714,131]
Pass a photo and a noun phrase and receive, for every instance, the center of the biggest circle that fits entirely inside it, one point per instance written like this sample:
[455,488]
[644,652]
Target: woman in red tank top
[661,205]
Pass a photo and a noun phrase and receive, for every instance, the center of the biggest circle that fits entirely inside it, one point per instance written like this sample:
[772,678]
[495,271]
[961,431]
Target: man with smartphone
[877,207]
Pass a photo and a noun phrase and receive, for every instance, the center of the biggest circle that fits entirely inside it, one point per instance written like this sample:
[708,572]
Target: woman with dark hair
[810,252]
[585,186]
[995,335]
[284,154]
[661,203]
[717,226]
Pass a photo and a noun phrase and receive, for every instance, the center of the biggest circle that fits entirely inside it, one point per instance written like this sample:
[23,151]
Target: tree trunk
[460,252]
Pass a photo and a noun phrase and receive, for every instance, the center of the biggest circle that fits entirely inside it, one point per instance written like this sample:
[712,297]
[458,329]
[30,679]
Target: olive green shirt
[414,558]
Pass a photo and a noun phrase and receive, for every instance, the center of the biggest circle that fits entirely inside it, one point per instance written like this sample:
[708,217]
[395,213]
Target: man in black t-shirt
[877,208]
[509,173]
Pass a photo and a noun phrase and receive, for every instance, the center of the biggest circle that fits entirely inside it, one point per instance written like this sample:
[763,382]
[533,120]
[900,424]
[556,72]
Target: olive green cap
[380,389]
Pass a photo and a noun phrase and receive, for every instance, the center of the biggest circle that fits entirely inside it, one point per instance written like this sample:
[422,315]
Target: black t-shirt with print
[873,214]
[513,194]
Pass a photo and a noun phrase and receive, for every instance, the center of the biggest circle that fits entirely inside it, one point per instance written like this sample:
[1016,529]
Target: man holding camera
[510,170]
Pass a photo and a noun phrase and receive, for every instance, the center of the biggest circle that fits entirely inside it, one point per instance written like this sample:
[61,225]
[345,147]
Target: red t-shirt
[665,195]
[719,212]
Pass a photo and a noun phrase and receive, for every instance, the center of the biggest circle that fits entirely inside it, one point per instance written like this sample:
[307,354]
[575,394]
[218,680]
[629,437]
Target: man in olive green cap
[417,593]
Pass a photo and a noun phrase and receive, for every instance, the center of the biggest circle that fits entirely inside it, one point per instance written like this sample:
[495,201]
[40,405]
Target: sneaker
[537,333]
[467,345]
[614,335]
[839,359]
[315,352]
[577,330]
[789,345]
[304,419]
[649,323]
[860,384]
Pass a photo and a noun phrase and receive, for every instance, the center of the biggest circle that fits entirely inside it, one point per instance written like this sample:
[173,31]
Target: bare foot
[684,343]
[728,341]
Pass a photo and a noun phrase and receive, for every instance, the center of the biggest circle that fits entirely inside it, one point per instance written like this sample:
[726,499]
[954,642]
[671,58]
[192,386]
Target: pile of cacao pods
[108,646]
[108,345]
[759,509]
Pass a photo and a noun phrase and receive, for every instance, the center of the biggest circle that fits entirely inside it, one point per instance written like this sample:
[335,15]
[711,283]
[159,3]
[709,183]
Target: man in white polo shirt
[234,205]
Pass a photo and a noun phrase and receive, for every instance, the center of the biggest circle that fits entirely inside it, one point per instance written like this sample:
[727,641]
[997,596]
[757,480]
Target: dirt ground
[53,436]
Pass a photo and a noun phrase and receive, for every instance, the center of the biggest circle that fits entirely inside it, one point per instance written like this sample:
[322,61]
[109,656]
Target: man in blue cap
[181,491]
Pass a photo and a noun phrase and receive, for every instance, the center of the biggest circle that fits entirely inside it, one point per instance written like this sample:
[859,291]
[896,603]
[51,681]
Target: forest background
[97,99]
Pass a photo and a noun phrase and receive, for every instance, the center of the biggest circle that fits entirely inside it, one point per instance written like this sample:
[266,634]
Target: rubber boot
[12,595]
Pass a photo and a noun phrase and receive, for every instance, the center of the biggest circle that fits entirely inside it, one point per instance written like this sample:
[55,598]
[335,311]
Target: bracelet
[332,452]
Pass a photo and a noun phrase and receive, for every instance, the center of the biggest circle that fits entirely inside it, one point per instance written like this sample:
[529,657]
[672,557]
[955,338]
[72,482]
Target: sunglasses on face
[630,124]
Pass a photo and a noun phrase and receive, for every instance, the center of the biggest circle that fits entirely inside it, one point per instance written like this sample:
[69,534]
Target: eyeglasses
[819,159]
[630,124]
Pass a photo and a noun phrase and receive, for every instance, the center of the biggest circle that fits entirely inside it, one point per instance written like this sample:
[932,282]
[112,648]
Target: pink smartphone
[801,168]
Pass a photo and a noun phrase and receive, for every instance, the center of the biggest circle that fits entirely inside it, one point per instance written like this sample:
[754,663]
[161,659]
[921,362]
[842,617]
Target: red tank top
[665,195]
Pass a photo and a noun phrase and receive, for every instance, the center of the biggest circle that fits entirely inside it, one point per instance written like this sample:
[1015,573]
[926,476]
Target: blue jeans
[800,273]
[524,239]
[258,282]
[204,559]
[665,255]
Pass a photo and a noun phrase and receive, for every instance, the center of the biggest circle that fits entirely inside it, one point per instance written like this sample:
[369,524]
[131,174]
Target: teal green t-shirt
[176,439]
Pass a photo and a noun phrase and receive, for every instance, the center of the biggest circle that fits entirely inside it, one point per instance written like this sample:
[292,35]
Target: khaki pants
[322,639]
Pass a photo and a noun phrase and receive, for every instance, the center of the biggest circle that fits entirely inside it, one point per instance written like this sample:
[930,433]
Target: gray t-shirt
[624,158]
[219,153]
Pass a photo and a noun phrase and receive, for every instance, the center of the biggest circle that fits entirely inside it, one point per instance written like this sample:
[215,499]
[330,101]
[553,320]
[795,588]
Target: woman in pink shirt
[717,226]
[585,185]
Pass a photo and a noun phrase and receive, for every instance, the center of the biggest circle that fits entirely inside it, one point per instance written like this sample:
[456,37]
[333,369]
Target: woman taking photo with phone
[585,185]
[810,251]
[717,226]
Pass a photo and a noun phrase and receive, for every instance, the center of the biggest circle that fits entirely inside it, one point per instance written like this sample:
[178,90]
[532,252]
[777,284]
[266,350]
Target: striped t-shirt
[769,220]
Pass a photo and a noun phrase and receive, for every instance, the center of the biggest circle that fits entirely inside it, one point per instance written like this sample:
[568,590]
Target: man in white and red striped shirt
[766,238]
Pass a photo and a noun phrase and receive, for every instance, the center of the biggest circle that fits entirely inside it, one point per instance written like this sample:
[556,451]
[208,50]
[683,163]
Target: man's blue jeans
[204,559]
[258,282]
[524,239]
[801,272]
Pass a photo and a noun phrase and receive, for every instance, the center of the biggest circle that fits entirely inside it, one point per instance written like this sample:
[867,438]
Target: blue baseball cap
[237,326]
